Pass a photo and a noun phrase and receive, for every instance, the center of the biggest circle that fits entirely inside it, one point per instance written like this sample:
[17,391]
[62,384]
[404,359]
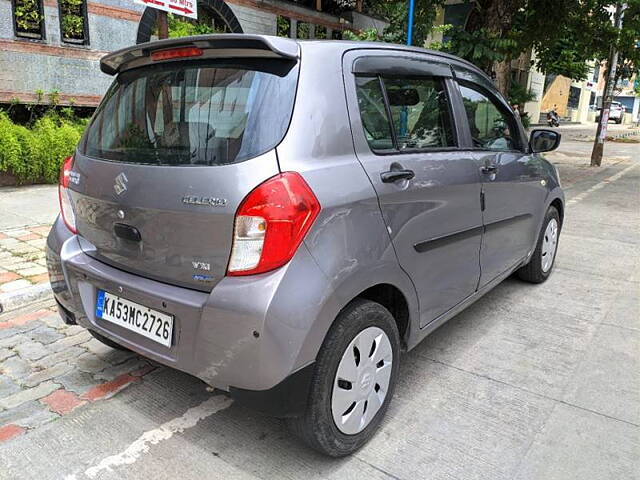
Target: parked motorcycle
[553,120]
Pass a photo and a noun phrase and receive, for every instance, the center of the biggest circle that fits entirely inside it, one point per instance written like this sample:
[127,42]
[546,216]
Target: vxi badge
[204,201]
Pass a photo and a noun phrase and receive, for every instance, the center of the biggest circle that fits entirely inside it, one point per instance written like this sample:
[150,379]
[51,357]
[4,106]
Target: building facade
[57,52]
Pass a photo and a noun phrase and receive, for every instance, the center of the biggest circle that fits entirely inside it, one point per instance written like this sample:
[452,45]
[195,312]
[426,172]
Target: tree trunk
[503,76]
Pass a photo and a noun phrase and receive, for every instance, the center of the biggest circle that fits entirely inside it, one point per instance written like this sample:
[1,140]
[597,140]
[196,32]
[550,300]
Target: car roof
[264,45]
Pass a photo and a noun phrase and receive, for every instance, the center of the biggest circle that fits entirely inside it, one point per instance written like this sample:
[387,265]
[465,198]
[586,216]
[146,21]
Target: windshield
[194,113]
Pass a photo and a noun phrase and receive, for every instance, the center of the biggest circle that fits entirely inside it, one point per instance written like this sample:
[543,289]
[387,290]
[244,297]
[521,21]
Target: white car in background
[616,112]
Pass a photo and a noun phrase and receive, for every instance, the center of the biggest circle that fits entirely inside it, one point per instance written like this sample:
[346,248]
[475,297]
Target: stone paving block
[77,381]
[45,335]
[67,355]
[15,367]
[29,394]
[31,271]
[31,350]
[62,402]
[7,386]
[28,415]
[6,277]
[15,285]
[54,321]
[17,232]
[21,248]
[7,432]
[90,363]
[5,353]
[74,329]
[99,348]
[69,341]
[42,278]
[7,334]
[133,364]
[38,242]
[6,242]
[47,374]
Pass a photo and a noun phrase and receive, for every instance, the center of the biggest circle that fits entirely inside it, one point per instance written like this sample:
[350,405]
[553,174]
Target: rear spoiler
[214,46]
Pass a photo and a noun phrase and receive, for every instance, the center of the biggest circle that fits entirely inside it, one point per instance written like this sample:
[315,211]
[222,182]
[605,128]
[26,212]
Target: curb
[20,298]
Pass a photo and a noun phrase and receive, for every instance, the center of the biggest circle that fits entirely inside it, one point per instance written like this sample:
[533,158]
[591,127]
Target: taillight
[182,52]
[66,206]
[270,224]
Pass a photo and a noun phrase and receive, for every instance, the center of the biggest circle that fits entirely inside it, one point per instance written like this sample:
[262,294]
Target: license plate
[143,320]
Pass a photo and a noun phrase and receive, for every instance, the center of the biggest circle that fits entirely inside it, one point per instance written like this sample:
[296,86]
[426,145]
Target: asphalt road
[531,382]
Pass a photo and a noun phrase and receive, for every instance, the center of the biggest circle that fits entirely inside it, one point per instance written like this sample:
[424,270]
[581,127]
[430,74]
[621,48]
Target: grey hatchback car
[282,219]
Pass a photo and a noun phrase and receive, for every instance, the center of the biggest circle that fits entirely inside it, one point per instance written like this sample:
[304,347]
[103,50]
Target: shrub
[34,154]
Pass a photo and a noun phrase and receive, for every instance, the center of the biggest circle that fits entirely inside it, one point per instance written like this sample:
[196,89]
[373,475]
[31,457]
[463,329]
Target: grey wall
[254,21]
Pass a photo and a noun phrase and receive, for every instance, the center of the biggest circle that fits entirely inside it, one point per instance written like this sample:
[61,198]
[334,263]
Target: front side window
[491,127]
[193,113]
[420,112]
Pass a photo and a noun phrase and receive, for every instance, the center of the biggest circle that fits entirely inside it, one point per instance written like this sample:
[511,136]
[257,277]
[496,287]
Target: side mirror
[544,140]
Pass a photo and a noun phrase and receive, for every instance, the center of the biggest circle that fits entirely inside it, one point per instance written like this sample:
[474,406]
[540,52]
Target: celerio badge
[204,201]
[121,183]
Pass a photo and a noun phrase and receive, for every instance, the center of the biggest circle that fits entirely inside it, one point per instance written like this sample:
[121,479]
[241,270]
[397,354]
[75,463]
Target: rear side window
[193,113]
[491,127]
[410,114]
[420,112]
[373,113]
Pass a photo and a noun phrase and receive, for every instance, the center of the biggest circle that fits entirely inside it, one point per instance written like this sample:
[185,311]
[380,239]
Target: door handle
[395,175]
[489,169]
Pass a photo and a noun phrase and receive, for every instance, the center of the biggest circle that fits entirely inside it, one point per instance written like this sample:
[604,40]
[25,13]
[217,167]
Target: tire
[535,271]
[317,427]
[107,342]
[619,120]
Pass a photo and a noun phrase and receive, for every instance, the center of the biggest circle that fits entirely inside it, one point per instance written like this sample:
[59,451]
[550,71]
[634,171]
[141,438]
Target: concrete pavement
[531,382]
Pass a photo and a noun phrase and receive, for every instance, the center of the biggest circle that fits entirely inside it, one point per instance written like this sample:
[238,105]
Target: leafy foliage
[395,12]
[34,154]
[283,27]
[369,35]
[73,27]
[182,27]
[28,17]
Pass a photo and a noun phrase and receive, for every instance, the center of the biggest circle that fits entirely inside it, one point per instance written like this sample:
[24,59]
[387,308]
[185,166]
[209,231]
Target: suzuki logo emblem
[121,183]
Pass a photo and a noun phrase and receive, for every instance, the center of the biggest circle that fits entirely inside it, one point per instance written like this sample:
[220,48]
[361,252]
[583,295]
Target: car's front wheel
[539,267]
[353,382]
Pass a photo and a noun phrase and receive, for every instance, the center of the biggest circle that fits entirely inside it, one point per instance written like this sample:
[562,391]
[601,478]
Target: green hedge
[34,154]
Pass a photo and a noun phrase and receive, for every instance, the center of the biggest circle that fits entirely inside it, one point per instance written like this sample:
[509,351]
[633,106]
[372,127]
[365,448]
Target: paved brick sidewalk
[48,369]
[22,258]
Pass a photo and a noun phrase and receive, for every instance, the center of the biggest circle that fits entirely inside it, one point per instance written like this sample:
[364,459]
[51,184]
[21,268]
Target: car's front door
[512,189]
[428,189]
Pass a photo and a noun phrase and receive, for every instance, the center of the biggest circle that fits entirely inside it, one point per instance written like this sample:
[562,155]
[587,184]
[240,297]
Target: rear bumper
[249,336]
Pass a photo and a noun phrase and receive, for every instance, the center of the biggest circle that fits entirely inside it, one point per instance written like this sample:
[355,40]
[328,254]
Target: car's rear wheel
[543,259]
[353,382]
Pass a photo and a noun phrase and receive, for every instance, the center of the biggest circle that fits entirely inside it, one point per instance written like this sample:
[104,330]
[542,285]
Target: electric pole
[607,97]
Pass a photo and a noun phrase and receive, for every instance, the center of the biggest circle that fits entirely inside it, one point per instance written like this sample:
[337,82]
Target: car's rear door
[168,157]
[428,189]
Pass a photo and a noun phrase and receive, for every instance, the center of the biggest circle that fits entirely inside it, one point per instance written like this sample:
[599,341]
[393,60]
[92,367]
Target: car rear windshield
[194,113]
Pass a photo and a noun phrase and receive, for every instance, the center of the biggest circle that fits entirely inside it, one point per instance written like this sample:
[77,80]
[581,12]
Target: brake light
[182,52]
[64,195]
[270,224]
